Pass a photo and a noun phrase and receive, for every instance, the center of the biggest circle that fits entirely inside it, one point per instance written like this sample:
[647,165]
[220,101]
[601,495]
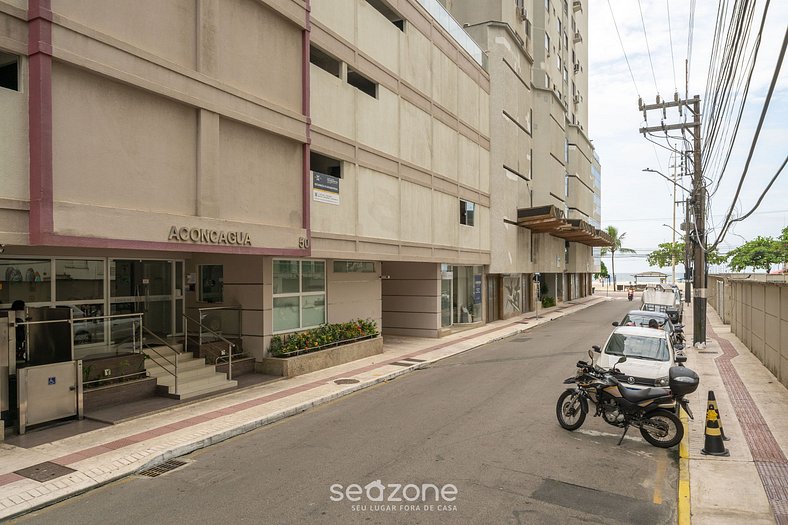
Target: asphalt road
[482,422]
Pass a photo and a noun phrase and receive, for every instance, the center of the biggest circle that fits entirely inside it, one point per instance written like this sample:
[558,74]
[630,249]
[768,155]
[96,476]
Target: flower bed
[325,336]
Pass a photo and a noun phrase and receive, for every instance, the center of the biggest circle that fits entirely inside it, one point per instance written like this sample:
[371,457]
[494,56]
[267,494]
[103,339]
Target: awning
[549,219]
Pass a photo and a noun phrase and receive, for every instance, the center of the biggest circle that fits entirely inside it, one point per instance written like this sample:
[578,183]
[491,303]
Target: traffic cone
[713,445]
[713,405]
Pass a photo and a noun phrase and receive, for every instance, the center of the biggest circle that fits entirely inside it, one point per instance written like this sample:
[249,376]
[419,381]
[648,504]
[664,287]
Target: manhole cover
[45,471]
[346,381]
[158,470]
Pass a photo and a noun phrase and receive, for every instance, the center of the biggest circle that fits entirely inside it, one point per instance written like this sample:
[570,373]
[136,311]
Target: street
[479,427]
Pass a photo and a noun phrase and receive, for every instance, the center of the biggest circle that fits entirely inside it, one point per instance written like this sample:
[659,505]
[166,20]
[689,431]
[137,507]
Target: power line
[622,47]
[672,60]
[763,194]
[690,35]
[645,34]
[645,219]
[766,103]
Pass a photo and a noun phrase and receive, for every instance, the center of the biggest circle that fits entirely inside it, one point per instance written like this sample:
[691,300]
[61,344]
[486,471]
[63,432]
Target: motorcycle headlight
[661,381]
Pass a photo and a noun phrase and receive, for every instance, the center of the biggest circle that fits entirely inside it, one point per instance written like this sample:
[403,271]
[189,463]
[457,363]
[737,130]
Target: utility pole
[699,278]
[697,203]
[673,229]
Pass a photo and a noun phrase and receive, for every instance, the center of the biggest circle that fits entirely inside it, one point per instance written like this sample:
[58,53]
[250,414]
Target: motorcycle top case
[682,380]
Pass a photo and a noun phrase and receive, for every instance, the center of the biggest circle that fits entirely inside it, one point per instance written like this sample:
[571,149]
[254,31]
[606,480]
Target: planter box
[118,393]
[311,362]
[244,365]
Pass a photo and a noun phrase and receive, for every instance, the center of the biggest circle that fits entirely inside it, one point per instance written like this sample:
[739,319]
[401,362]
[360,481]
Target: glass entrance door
[147,287]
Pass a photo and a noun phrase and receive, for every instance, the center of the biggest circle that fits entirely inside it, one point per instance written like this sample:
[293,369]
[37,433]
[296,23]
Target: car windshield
[642,320]
[638,346]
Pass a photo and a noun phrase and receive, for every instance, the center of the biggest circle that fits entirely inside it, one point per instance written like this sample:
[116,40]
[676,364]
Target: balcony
[447,22]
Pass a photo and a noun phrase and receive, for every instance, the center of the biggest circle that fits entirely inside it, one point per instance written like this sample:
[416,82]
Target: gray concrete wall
[758,307]
[411,299]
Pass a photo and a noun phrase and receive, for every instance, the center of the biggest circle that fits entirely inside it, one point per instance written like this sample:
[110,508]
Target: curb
[254,424]
[684,474]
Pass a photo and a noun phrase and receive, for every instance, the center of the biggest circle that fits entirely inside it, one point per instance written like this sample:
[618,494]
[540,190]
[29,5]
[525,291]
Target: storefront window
[79,280]
[299,294]
[467,294]
[212,283]
[27,280]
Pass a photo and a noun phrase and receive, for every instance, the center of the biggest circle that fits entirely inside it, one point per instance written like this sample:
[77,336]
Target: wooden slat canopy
[549,219]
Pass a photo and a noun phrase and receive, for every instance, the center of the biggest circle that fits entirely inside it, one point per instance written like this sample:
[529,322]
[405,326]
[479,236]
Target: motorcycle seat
[637,395]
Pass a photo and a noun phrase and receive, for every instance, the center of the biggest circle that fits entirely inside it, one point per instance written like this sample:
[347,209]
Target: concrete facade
[192,136]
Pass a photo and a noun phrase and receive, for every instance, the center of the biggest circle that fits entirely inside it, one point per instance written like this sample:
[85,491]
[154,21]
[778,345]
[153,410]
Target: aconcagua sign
[206,236]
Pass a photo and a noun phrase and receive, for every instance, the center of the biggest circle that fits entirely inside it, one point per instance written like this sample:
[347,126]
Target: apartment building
[544,224]
[294,163]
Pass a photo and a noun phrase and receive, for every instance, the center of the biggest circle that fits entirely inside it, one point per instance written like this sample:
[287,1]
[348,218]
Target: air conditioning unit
[578,99]
[577,68]
[578,37]
[577,5]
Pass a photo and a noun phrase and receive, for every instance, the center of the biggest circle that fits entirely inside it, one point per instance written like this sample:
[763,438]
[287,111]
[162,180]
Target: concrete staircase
[195,377]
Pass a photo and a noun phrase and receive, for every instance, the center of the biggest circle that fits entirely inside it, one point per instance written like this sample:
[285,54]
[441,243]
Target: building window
[325,165]
[27,280]
[387,11]
[325,61]
[467,210]
[9,71]
[212,283]
[547,43]
[362,83]
[354,267]
[299,292]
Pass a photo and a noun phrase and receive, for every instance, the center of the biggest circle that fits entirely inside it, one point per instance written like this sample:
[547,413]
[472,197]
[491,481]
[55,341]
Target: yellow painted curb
[684,476]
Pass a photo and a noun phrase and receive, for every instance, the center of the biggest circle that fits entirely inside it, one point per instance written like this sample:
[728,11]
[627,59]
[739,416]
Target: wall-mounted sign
[325,188]
[206,236]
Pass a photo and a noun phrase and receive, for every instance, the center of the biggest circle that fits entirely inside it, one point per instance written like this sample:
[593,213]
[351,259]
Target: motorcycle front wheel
[571,410]
[662,429]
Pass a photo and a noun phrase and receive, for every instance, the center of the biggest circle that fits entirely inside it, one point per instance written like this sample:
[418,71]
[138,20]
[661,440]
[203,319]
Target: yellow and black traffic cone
[713,405]
[713,445]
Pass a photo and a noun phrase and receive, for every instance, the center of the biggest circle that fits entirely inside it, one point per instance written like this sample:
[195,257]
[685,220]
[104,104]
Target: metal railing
[145,331]
[230,345]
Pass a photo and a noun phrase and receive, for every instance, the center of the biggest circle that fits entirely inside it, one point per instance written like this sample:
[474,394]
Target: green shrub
[548,301]
[322,336]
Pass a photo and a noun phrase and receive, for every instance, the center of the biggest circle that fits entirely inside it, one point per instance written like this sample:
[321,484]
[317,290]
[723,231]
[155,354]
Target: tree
[783,240]
[760,253]
[616,247]
[662,256]
[602,271]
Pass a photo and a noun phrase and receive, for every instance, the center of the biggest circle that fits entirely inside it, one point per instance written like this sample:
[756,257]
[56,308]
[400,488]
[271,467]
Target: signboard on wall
[477,289]
[325,188]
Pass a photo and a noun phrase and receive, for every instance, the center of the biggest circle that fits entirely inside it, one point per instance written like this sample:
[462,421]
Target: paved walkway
[38,476]
[751,485]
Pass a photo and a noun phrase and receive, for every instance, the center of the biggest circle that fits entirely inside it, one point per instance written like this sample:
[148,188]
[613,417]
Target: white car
[649,353]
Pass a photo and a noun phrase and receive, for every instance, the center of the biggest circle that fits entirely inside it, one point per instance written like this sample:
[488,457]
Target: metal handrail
[142,372]
[230,344]
[165,343]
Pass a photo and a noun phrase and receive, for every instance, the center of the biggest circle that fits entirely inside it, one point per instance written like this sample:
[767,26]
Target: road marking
[596,433]
[684,475]
[662,467]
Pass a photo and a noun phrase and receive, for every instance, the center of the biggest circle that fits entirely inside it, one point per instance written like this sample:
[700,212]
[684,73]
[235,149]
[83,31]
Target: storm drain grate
[346,381]
[402,363]
[158,470]
[414,359]
[44,471]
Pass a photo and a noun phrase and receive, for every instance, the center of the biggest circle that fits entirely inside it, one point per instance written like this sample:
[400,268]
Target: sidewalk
[35,477]
[752,484]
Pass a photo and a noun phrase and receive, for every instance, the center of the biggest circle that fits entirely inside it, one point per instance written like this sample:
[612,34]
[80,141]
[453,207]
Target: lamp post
[672,253]
[675,185]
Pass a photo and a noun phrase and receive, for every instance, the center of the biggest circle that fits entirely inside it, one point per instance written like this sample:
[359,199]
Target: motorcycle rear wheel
[571,410]
[670,436]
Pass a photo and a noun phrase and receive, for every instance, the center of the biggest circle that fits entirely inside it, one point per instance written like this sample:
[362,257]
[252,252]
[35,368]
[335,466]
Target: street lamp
[673,255]
[669,179]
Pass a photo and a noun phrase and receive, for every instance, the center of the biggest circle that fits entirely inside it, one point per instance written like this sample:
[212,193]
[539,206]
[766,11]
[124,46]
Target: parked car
[649,352]
[642,317]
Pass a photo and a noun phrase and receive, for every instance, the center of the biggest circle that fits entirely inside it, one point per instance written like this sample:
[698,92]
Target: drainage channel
[163,468]
[767,455]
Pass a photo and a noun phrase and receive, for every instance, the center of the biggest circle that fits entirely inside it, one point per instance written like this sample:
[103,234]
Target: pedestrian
[18,308]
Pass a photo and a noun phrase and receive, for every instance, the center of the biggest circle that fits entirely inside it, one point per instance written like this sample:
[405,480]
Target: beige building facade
[296,162]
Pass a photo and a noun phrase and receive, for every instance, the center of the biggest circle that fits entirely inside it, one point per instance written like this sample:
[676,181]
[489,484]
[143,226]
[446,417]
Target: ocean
[623,278]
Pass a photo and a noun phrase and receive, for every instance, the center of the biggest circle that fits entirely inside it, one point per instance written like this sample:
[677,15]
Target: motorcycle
[652,410]
[678,335]
[630,295]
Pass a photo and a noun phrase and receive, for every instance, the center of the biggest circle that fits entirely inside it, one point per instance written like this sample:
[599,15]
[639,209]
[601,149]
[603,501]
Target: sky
[639,203]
